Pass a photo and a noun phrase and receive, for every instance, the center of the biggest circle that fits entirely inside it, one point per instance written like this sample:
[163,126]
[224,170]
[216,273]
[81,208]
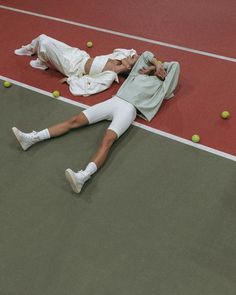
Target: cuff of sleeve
[148,56]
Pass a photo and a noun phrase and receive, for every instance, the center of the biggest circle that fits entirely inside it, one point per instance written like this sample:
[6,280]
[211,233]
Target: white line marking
[232,59]
[142,126]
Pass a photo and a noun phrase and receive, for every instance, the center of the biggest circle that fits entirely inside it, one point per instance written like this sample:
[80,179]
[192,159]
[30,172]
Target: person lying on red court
[85,75]
[142,93]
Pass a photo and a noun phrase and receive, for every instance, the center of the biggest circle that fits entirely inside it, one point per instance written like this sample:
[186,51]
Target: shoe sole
[71,179]
[17,135]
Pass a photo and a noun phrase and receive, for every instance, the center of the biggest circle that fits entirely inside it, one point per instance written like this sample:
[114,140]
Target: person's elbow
[176,65]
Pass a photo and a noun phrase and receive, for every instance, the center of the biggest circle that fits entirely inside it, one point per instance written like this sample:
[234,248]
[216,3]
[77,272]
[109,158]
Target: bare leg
[74,122]
[103,150]
[77,180]
[26,140]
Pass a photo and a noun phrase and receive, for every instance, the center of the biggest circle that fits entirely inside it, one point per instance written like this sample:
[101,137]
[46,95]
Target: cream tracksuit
[70,61]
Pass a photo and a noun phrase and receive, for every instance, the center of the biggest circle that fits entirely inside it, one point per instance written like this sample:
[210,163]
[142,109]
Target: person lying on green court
[142,93]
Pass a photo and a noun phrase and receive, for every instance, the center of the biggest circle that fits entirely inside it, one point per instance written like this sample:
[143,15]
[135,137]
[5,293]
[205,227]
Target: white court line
[142,126]
[121,34]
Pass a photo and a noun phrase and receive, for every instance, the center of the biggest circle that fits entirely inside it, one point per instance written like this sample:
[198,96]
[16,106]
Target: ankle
[90,169]
[43,134]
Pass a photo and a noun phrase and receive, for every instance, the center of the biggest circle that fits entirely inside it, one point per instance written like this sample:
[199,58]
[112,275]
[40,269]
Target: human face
[131,60]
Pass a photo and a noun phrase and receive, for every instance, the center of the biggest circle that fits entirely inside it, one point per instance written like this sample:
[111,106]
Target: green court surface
[158,218]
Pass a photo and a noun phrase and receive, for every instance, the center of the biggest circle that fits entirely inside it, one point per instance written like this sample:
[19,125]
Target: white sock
[43,134]
[90,169]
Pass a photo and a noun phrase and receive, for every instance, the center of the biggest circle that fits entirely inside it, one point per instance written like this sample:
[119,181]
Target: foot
[76,180]
[24,139]
[38,64]
[23,51]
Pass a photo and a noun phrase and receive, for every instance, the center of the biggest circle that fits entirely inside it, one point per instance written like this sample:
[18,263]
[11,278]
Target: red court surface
[203,25]
[206,86]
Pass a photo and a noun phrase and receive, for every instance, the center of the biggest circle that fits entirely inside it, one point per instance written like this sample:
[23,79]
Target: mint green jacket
[146,92]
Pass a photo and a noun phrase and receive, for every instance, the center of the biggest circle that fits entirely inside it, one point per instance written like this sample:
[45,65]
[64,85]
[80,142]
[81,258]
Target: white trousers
[120,112]
[56,54]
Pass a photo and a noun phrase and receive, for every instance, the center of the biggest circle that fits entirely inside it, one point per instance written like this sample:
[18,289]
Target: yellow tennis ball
[7,84]
[89,44]
[225,115]
[56,93]
[196,138]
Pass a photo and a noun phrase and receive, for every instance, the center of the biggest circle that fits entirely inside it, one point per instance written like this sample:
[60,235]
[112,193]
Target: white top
[97,81]
[98,64]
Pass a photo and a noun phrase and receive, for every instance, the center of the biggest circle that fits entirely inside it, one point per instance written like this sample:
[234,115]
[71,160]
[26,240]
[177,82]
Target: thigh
[47,43]
[62,57]
[53,52]
[123,117]
[99,112]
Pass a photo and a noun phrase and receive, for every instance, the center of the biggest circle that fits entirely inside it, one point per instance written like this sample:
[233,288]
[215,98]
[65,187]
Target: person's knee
[78,121]
[43,39]
[72,122]
[108,139]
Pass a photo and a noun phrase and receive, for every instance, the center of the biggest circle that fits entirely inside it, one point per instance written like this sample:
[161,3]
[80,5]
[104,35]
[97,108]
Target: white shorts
[117,110]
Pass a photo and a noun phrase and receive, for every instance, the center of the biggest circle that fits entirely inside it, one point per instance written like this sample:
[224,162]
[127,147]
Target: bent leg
[32,47]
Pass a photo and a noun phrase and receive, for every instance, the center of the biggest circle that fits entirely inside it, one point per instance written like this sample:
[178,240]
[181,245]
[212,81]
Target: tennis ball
[225,115]
[56,93]
[7,84]
[89,44]
[195,138]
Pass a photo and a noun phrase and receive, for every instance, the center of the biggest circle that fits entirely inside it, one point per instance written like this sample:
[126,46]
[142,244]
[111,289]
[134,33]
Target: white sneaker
[25,139]
[76,180]
[23,51]
[38,64]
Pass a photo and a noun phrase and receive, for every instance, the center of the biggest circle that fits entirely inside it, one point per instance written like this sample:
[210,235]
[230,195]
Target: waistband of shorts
[117,98]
